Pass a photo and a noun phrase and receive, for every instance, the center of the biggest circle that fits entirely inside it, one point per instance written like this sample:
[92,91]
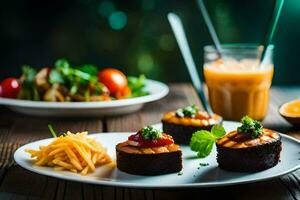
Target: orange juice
[238,88]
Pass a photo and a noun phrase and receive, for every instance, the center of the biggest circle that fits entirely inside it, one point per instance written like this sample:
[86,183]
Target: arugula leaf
[218,131]
[203,141]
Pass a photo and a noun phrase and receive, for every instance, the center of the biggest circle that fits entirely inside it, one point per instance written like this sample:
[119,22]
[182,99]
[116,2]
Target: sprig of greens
[150,133]
[202,141]
[250,126]
[189,111]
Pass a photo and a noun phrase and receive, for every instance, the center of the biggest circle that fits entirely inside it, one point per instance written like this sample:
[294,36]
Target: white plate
[207,176]
[156,89]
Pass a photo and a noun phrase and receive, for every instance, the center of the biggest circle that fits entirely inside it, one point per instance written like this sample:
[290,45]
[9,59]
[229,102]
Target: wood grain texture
[17,183]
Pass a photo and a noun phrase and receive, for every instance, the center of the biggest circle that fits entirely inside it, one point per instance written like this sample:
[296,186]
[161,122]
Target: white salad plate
[157,90]
[192,175]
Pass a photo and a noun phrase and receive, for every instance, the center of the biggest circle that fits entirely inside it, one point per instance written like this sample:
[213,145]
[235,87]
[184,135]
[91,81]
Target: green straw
[271,27]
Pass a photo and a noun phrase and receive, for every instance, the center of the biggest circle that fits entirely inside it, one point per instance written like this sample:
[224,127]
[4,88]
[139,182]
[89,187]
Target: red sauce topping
[138,140]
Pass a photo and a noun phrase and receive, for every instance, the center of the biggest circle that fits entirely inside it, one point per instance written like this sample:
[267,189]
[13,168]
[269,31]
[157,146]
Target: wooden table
[17,183]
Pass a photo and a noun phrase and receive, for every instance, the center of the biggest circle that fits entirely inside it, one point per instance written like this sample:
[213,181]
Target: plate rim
[164,90]
[136,185]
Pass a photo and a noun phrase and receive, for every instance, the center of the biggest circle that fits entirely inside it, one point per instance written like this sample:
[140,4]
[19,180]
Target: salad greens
[137,85]
[150,133]
[28,90]
[202,141]
[250,126]
[65,82]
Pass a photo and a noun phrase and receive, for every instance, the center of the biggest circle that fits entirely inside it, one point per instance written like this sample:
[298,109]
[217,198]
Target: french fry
[73,152]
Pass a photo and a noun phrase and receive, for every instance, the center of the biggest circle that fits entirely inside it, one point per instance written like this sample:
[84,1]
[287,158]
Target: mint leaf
[218,131]
[202,142]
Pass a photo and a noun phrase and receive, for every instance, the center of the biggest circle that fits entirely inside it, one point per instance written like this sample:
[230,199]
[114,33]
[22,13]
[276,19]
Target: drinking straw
[210,27]
[180,36]
[273,21]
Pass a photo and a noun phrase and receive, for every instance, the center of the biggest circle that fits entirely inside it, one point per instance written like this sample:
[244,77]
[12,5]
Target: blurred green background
[135,36]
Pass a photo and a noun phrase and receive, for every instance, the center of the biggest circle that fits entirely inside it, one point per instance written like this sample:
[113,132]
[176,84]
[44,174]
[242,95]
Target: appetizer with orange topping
[149,152]
[250,148]
[182,123]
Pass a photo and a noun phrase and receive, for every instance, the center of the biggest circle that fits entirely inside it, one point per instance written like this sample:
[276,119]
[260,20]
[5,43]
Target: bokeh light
[145,63]
[166,42]
[117,20]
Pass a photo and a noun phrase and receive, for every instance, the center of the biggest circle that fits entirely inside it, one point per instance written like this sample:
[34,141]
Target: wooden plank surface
[17,183]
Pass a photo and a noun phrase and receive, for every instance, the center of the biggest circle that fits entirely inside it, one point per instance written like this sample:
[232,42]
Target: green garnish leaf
[218,131]
[52,130]
[250,126]
[202,142]
[189,111]
[150,133]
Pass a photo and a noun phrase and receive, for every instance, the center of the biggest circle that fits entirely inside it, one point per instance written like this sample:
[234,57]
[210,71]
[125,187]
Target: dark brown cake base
[149,164]
[182,134]
[251,159]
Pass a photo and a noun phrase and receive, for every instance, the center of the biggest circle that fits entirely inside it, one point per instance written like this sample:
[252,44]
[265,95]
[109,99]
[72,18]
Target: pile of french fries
[74,152]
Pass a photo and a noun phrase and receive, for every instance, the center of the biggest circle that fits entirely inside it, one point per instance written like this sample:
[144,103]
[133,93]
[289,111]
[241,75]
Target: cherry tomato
[113,79]
[10,87]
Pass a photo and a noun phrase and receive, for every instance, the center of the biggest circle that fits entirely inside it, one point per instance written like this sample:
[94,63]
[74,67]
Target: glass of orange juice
[238,84]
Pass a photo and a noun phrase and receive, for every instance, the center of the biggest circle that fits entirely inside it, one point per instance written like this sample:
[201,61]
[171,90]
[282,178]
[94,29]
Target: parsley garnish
[150,133]
[250,126]
[189,111]
[202,141]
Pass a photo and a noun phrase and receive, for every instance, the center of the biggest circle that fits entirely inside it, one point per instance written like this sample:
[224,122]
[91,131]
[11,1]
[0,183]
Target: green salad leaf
[89,69]
[28,90]
[137,85]
[202,141]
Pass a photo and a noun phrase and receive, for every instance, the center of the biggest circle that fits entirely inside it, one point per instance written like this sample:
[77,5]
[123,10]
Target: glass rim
[237,46]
